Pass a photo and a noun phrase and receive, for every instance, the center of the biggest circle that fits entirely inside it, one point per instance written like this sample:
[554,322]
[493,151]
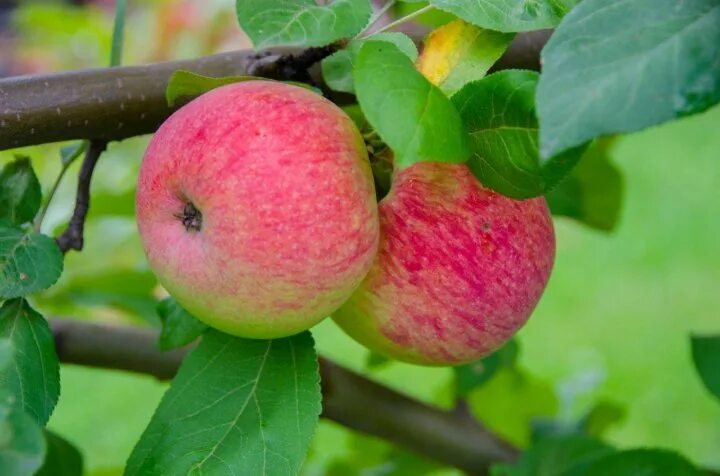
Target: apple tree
[399,184]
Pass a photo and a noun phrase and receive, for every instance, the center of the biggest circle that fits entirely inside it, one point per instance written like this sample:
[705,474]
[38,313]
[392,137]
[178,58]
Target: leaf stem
[118,33]
[376,16]
[66,163]
[402,20]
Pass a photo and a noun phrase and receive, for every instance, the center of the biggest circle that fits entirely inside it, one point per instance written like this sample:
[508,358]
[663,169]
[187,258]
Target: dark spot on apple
[486,227]
[191,217]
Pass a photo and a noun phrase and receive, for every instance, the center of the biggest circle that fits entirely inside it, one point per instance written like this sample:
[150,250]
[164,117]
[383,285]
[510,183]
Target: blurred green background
[612,327]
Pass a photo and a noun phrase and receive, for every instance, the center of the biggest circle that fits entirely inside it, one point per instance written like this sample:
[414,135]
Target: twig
[73,236]
[290,66]
[376,16]
[348,398]
[402,20]
[66,163]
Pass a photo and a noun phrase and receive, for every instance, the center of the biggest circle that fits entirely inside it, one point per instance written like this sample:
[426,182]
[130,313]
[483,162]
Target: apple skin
[459,268]
[288,225]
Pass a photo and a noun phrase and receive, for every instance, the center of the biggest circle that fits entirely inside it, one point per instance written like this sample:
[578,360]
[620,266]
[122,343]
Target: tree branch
[73,236]
[348,398]
[116,103]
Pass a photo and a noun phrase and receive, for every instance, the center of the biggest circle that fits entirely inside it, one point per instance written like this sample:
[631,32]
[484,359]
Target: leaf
[33,376]
[510,401]
[555,456]
[615,67]
[186,83]
[237,406]
[118,36]
[301,22]
[645,462]
[499,114]
[179,327]
[20,194]
[412,116]
[6,353]
[61,459]
[69,153]
[22,445]
[508,15]
[337,68]
[472,375]
[374,361]
[592,193]
[595,422]
[603,416]
[458,53]
[29,262]
[706,356]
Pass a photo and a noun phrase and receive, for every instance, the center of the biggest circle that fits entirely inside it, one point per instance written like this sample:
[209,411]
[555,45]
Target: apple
[256,208]
[459,268]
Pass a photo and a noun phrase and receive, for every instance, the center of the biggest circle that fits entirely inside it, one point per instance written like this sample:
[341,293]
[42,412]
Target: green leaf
[508,15]
[29,262]
[188,84]
[179,327]
[555,456]
[33,376]
[61,459]
[69,153]
[615,67]
[645,462]
[236,406]
[118,37]
[474,374]
[6,353]
[499,114]
[510,401]
[706,356]
[22,445]
[301,22]
[601,417]
[414,118]
[374,361]
[593,191]
[337,68]
[20,194]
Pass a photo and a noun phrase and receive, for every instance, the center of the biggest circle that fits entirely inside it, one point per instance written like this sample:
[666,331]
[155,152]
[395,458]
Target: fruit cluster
[257,211]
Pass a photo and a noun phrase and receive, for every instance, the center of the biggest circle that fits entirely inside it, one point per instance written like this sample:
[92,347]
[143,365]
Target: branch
[116,103]
[348,398]
[73,236]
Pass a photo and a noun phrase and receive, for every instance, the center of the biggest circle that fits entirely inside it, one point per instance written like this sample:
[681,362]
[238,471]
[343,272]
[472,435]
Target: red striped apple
[256,208]
[458,271]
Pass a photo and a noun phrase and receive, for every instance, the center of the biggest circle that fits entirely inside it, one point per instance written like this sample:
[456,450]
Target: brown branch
[348,398]
[73,236]
[116,103]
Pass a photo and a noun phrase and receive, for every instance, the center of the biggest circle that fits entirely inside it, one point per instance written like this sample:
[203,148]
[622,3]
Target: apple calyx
[191,217]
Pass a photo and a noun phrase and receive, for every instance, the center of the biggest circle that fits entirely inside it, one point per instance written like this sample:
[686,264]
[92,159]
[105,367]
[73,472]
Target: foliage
[706,355]
[236,405]
[612,68]
[508,15]
[301,22]
[179,327]
[410,114]
[240,405]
